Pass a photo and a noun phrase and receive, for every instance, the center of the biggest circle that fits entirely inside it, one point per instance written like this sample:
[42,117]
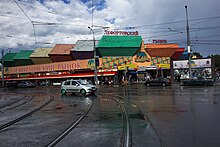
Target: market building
[8,59]
[61,52]
[83,49]
[40,56]
[23,58]
[119,58]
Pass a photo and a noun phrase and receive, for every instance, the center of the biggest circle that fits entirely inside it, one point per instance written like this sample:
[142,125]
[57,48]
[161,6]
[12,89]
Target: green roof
[9,57]
[119,45]
[23,55]
[120,41]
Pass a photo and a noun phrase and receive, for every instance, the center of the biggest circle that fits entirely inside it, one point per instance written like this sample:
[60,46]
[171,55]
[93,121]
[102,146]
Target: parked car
[198,81]
[160,81]
[26,84]
[77,86]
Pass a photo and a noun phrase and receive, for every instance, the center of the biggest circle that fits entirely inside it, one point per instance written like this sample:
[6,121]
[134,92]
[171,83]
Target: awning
[177,54]
[145,68]
[61,76]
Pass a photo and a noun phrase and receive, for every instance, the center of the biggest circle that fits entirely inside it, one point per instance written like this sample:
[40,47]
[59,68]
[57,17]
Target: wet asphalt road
[160,116]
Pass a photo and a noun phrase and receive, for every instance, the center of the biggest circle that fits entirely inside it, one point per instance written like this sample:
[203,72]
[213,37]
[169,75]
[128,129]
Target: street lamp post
[95,66]
[188,44]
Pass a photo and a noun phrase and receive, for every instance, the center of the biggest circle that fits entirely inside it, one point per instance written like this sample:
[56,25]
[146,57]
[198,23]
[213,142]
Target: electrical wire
[28,19]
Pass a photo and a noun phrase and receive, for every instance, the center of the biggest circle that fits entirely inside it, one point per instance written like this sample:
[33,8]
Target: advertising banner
[198,63]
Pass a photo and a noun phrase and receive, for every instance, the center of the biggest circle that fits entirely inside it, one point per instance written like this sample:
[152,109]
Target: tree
[216,59]
[197,54]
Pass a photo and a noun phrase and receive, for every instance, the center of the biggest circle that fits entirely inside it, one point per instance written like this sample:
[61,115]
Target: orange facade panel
[161,50]
[178,53]
[161,46]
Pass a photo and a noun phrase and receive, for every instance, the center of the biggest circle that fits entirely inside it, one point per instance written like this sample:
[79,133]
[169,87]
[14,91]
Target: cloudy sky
[28,24]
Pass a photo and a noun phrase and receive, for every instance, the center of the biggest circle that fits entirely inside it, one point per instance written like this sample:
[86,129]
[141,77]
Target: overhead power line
[166,23]
[28,19]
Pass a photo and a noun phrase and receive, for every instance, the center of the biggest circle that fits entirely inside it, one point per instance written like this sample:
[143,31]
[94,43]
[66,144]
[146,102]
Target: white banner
[198,63]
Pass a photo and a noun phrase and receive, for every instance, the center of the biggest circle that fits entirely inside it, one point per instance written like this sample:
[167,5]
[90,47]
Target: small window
[67,83]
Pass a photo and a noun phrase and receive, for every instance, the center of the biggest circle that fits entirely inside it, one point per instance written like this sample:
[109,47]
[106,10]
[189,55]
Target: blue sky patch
[97,4]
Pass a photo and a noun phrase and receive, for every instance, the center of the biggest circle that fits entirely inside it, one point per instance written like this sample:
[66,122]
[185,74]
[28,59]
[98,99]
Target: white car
[77,86]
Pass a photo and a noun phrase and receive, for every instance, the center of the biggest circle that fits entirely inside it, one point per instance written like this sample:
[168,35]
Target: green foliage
[197,54]
[216,59]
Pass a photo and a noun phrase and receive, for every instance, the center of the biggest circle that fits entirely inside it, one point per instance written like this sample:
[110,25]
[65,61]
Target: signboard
[167,66]
[129,66]
[121,33]
[121,67]
[57,66]
[158,41]
[199,63]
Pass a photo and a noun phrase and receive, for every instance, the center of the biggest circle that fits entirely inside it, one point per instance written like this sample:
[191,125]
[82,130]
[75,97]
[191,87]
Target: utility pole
[188,44]
[95,66]
[3,84]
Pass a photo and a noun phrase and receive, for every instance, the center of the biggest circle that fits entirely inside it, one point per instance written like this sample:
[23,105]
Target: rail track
[16,104]
[126,138]
[6,125]
[72,126]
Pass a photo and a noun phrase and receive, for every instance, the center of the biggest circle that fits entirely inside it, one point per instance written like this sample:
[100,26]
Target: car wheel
[63,92]
[163,84]
[83,91]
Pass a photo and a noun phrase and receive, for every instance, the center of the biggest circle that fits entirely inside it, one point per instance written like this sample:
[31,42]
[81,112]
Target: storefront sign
[200,63]
[157,41]
[127,66]
[121,33]
[121,67]
[145,68]
[163,66]
[58,66]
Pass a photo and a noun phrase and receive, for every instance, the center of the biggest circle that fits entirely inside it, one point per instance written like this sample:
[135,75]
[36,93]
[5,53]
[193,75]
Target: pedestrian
[147,78]
[178,77]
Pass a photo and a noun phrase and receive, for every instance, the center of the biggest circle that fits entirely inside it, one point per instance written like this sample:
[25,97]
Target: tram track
[126,134]
[71,126]
[16,104]
[10,123]
[142,116]
[126,138]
